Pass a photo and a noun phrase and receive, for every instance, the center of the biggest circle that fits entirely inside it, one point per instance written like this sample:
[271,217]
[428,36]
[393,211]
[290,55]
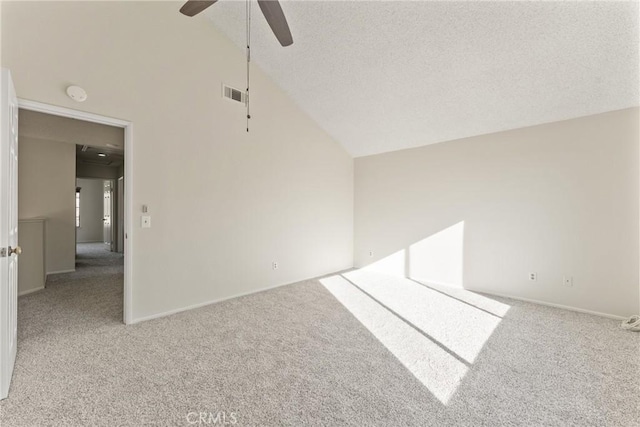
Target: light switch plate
[146,221]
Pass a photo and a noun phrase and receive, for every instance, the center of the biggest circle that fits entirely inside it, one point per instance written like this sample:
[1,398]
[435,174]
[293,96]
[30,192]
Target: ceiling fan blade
[278,23]
[194,7]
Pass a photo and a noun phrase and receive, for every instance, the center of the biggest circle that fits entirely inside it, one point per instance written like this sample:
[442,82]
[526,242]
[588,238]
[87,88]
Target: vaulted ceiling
[380,76]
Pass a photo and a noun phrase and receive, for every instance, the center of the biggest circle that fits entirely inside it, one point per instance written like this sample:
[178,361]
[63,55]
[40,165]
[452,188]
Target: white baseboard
[483,291]
[203,304]
[549,304]
[30,291]
[91,241]
[61,272]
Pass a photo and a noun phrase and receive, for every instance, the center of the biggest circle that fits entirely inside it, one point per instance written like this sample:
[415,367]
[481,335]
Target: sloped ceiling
[382,76]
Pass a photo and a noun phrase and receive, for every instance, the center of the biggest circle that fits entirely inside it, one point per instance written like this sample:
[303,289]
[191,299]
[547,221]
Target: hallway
[89,297]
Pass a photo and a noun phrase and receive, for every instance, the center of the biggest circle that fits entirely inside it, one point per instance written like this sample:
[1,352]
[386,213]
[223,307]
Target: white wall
[46,188]
[224,203]
[91,210]
[557,199]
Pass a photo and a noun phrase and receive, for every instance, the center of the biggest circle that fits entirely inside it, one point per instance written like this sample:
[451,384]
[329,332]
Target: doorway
[119,244]
[96,255]
[100,195]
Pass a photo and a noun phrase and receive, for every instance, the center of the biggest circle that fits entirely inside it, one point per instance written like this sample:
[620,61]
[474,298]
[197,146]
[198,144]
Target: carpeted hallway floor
[353,349]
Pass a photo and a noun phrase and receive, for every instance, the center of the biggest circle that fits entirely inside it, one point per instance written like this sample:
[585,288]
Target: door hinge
[3,252]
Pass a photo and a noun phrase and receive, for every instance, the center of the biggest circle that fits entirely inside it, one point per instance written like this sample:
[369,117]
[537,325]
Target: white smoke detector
[77,93]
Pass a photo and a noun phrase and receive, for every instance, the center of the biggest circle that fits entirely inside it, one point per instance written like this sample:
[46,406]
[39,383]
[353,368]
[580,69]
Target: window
[77,207]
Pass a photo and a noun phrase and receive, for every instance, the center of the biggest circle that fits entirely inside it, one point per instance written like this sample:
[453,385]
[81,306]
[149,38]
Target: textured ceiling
[383,76]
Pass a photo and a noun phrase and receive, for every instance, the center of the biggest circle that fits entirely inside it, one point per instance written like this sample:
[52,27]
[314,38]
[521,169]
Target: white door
[9,249]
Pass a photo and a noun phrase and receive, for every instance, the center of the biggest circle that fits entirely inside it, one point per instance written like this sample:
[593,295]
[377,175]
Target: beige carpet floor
[355,349]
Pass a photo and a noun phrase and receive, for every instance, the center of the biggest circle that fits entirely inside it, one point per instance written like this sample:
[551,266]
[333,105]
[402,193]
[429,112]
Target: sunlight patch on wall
[434,367]
[393,265]
[434,259]
[438,258]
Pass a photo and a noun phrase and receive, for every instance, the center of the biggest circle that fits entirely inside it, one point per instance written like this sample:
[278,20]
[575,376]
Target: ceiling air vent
[233,94]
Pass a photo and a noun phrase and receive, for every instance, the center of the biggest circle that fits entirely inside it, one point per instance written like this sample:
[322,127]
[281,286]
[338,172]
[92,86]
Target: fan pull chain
[248,11]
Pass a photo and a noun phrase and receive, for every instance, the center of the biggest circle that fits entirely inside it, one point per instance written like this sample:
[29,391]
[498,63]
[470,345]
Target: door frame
[128,184]
[120,215]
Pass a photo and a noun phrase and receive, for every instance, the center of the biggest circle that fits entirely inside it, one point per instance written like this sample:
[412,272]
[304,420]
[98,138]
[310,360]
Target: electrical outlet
[533,277]
[274,265]
[568,281]
[370,253]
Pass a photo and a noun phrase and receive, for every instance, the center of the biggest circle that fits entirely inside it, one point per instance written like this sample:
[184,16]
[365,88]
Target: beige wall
[31,268]
[559,199]
[46,188]
[91,210]
[224,203]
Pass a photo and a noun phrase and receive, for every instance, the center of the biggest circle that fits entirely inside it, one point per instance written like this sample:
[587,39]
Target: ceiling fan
[270,9]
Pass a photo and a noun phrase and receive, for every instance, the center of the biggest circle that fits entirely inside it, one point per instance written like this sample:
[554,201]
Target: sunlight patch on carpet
[437,336]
